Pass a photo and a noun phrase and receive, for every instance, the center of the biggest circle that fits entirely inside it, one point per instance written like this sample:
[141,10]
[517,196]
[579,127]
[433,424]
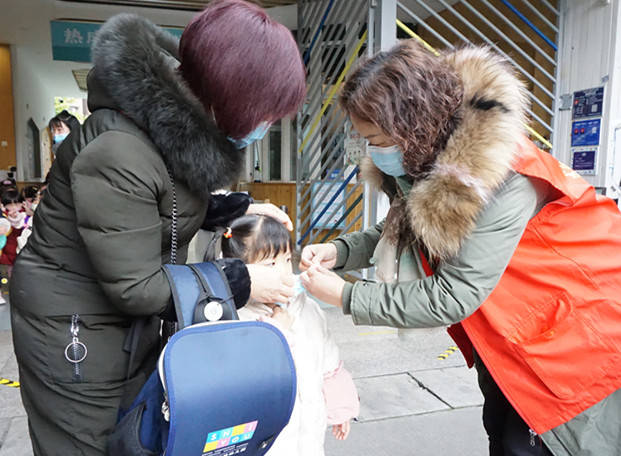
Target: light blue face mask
[255,135]
[388,159]
[60,138]
[298,289]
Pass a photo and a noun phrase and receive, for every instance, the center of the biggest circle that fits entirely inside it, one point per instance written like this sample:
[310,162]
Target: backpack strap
[216,301]
[199,284]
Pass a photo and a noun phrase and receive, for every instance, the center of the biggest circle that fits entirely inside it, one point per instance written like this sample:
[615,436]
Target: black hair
[30,192]
[11,195]
[65,117]
[7,183]
[256,237]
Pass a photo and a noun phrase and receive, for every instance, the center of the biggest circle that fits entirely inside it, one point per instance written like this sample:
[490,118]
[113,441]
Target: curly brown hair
[412,96]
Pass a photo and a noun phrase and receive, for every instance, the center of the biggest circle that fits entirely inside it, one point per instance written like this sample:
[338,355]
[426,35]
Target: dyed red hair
[242,65]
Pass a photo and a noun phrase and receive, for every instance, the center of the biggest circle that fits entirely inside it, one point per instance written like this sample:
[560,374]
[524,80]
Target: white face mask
[388,159]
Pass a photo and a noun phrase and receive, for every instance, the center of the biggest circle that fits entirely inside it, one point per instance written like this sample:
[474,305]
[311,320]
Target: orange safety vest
[550,332]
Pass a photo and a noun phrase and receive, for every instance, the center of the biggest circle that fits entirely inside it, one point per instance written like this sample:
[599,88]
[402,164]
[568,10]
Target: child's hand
[341,431]
[283,317]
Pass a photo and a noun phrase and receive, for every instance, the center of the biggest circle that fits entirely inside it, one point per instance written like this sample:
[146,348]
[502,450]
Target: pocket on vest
[570,355]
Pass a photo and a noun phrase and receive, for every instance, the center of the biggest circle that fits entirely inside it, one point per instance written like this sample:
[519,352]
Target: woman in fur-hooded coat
[492,236]
[156,140]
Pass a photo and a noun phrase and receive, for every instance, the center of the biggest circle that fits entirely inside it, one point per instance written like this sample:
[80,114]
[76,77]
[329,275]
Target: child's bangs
[271,240]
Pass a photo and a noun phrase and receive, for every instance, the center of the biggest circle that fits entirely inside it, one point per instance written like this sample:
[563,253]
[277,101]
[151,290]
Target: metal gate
[525,32]
[332,34]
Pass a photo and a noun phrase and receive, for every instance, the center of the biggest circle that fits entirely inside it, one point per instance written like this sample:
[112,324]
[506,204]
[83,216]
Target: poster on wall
[584,160]
[72,40]
[585,133]
[588,103]
[355,145]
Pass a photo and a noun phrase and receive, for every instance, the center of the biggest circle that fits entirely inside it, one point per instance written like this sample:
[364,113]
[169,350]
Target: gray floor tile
[367,358]
[377,350]
[9,368]
[6,347]
[5,314]
[10,402]
[4,429]
[445,433]
[17,442]
[393,396]
[457,385]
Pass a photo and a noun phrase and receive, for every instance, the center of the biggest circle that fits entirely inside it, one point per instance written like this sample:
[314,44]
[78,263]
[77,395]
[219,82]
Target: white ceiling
[25,25]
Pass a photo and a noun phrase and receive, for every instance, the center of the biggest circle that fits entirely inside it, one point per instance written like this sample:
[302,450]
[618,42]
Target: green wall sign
[71,40]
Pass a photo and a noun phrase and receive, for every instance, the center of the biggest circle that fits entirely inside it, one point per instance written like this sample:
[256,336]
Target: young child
[326,394]
[12,210]
[5,230]
[30,196]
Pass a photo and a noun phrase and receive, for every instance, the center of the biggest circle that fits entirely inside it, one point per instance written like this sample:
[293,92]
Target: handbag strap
[168,327]
[173,226]
[171,327]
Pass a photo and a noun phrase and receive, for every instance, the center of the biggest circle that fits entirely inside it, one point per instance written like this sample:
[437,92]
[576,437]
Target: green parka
[470,212]
[103,231]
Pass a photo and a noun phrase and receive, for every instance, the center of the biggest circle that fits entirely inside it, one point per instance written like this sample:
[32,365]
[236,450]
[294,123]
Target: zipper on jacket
[491,370]
[75,351]
[533,435]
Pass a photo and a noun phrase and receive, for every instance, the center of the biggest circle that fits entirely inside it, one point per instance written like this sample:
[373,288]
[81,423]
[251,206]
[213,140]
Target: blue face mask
[255,135]
[298,289]
[388,159]
[60,138]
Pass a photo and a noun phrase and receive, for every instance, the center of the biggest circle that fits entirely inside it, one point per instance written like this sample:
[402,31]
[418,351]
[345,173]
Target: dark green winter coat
[103,231]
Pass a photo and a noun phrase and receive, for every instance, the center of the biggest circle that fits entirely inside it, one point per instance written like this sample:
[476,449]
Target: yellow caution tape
[7,382]
[431,49]
[448,352]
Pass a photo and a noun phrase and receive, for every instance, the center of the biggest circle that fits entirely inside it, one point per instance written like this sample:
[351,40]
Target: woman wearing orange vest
[492,236]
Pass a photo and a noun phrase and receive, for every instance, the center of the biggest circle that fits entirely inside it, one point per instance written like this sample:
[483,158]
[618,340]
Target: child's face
[12,209]
[280,263]
[30,204]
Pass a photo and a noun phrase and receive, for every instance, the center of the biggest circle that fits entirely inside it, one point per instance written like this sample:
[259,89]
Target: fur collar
[136,64]
[442,207]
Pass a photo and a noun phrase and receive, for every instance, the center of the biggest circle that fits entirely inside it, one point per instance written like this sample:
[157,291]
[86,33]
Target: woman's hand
[320,254]
[341,431]
[271,211]
[323,284]
[268,287]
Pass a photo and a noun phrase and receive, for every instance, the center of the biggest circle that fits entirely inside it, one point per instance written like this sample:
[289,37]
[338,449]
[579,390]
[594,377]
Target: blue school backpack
[222,387]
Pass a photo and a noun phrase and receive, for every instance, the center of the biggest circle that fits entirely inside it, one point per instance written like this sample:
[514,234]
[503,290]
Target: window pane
[294,148]
[275,154]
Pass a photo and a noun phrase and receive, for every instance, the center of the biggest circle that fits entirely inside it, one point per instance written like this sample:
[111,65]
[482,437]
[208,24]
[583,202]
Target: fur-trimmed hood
[443,206]
[135,70]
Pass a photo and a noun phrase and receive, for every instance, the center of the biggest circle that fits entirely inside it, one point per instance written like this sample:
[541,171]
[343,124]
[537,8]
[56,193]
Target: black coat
[103,231]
